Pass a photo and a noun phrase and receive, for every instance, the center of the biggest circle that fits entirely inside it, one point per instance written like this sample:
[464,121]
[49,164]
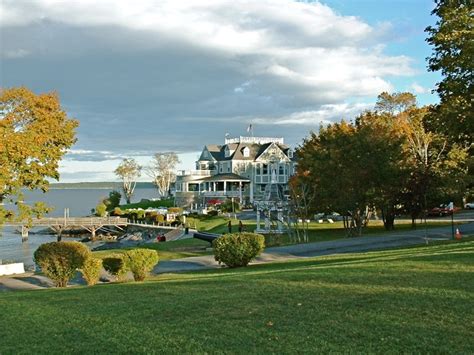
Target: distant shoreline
[96,185]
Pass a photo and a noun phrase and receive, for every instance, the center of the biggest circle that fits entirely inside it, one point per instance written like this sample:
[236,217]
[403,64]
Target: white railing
[221,193]
[74,221]
[196,172]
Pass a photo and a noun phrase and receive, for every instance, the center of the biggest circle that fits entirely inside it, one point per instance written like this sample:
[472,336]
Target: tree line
[397,157]
[386,160]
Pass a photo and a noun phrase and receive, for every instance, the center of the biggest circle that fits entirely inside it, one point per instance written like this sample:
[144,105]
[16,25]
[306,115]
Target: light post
[451,209]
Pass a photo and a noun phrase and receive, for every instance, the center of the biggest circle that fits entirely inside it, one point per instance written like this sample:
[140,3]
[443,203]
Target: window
[281,170]
[262,187]
[265,169]
[246,152]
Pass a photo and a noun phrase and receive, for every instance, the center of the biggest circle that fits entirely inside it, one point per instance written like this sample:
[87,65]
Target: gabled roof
[214,150]
[255,150]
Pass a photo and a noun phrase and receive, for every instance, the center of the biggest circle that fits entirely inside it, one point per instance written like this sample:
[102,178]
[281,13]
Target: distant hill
[98,185]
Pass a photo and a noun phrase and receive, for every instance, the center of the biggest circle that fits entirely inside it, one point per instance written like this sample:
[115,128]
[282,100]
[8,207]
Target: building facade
[241,168]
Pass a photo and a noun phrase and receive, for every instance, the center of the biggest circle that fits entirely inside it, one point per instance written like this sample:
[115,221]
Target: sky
[148,76]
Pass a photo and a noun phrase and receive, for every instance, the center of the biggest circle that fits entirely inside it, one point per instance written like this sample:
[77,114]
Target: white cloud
[145,75]
[419,89]
[15,53]
[326,114]
[301,45]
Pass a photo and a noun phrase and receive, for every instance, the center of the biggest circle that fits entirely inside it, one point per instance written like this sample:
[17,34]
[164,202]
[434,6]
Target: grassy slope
[170,250]
[317,232]
[408,300]
[194,247]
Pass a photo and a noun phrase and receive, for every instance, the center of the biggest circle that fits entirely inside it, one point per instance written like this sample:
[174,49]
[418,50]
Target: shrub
[160,218]
[140,214]
[114,200]
[176,210]
[60,260]
[117,211]
[91,270]
[140,262]
[115,265]
[101,210]
[212,213]
[238,249]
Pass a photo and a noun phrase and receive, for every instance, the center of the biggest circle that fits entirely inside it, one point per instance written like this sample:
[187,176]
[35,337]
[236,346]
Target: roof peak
[254,140]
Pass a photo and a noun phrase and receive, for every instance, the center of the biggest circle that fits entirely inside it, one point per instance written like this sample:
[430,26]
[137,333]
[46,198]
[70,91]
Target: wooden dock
[59,224]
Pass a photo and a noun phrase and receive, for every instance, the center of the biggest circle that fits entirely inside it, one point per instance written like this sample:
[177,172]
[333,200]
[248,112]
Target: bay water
[79,201]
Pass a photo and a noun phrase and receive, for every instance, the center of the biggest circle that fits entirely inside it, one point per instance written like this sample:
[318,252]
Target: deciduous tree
[162,171]
[452,39]
[35,133]
[387,159]
[128,171]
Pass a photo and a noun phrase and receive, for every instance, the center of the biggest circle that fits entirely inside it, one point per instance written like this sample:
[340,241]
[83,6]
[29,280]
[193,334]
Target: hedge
[238,249]
[60,260]
[140,262]
[91,270]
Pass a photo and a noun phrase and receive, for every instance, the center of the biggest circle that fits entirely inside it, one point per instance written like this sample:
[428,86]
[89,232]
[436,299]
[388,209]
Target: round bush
[238,249]
[60,260]
[140,262]
[115,265]
[91,270]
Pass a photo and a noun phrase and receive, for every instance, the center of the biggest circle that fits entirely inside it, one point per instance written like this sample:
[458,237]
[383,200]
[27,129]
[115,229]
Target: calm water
[79,201]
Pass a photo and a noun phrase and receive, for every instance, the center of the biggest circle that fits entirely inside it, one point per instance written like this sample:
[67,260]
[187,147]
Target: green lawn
[218,224]
[170,250]
[414,300]
[317,232]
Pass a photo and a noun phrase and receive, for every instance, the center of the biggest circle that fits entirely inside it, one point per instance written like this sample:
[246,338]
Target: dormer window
[290,154]
[246,152]
[227,152]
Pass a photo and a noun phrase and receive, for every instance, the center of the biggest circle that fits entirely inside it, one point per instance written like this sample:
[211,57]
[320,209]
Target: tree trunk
[388,217]
[414,215]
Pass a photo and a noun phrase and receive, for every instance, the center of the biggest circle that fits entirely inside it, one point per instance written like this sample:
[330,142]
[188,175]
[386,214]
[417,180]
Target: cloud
[15,53]
[418,89]
[326,114]
[147,76]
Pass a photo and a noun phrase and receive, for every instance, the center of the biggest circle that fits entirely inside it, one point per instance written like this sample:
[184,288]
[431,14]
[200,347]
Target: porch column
[258,219]
[225,184]
[240,191]
[251,191]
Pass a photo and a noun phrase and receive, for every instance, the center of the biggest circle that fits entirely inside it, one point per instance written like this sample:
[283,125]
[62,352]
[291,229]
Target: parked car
[469,206]
[442,210]
[334,216]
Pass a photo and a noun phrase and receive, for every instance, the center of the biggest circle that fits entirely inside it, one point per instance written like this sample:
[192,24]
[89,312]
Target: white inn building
[241,169]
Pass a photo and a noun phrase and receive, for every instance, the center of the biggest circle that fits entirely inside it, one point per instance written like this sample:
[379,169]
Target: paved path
[30,281]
